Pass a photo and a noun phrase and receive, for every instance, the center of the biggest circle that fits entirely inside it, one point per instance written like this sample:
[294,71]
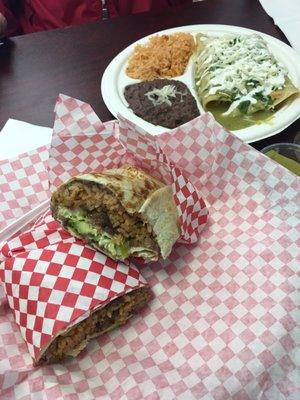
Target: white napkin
[286,15]
[19,137]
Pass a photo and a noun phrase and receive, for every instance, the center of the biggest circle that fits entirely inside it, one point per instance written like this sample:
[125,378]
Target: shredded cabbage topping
[161,96]
[240,67]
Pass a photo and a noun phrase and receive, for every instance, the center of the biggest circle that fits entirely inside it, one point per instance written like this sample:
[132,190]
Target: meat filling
[91,210]
[114,314]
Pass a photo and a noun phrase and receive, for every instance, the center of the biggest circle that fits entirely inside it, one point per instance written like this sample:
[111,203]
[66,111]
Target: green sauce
[286,162]
[240,121]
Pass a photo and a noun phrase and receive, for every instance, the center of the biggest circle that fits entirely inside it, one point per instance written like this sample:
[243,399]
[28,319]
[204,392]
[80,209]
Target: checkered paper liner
[53,281]
[224,321]
[81,144]
[23,184]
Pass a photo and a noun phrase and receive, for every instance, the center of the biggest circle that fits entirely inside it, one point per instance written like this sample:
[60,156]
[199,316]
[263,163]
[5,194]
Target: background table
[35,68]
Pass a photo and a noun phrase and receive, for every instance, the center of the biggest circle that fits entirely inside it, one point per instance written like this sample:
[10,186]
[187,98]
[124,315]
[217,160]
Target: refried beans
[165,102]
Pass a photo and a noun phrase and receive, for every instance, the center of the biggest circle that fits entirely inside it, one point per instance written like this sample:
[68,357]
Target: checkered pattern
[75,116]
[219,166]
[76,150]
[224,321]
[80,141]
[52,281]
[193,212]
[23,184]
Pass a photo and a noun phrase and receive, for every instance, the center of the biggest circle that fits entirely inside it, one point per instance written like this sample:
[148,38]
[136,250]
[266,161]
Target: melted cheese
[161,96]
[240,66]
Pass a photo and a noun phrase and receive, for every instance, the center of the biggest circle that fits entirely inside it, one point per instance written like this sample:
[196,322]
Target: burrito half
[122,212]
[72,341]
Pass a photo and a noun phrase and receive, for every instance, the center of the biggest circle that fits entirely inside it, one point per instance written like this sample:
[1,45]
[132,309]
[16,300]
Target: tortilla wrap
[122,212]
[71,341]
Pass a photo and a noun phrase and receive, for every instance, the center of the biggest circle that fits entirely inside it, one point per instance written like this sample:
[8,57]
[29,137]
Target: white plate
[115,79]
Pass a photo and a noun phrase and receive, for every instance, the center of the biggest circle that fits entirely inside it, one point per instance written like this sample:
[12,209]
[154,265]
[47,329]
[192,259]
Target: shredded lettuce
[160,96]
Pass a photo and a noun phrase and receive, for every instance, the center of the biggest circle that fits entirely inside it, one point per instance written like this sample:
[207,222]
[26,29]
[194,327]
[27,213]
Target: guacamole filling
[79,222]
[92,213]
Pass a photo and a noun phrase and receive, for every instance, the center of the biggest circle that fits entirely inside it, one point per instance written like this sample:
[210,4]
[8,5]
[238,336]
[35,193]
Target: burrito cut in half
[239,80]
[73,340]
[122,212]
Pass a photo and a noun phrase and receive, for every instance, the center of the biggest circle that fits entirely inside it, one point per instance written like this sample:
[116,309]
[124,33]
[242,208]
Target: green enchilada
[239,80]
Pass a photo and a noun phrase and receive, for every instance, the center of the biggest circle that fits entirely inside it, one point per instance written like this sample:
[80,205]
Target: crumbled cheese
[240,66]
[161,96]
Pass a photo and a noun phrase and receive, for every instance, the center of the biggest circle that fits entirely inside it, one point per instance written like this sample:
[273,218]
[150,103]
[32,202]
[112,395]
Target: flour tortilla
[141,196]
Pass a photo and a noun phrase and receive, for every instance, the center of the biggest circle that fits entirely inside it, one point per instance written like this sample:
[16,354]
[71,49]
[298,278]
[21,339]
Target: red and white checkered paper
[224,321]
[52,281]
[23,184]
